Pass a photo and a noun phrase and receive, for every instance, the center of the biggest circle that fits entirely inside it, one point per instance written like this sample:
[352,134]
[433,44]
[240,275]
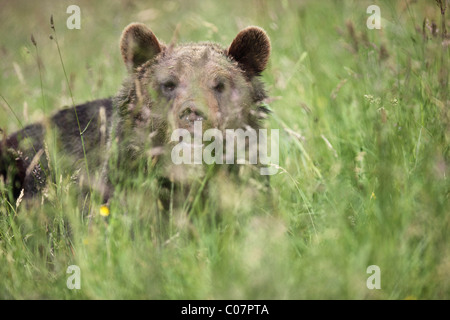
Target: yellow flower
[104,211]
[372,196]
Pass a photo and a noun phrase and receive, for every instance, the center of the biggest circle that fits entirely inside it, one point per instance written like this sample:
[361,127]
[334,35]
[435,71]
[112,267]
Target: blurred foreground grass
[364,152]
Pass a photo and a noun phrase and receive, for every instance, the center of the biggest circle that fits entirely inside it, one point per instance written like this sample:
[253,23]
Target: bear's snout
[189,113]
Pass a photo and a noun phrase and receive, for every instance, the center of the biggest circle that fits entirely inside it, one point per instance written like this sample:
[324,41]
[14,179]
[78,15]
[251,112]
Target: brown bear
[169,87]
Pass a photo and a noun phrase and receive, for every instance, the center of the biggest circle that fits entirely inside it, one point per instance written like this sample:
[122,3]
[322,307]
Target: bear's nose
[190,113]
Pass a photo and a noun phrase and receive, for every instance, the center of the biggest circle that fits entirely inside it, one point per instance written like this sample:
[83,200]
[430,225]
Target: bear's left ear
[251,49]
[138,45]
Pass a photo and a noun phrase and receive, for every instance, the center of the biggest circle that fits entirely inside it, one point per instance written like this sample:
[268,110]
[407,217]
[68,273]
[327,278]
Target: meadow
[364,119]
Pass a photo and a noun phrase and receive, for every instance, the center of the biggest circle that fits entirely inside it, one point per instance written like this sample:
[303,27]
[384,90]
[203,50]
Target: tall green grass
[364,156]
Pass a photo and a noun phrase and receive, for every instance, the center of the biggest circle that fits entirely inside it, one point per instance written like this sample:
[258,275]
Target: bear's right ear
[251,49]
[138,45]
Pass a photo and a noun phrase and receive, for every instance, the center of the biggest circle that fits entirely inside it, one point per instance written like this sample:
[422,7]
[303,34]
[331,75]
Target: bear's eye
[168,86]
[219,87]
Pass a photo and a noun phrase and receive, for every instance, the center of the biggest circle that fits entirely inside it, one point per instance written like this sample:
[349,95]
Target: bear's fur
[169,87]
